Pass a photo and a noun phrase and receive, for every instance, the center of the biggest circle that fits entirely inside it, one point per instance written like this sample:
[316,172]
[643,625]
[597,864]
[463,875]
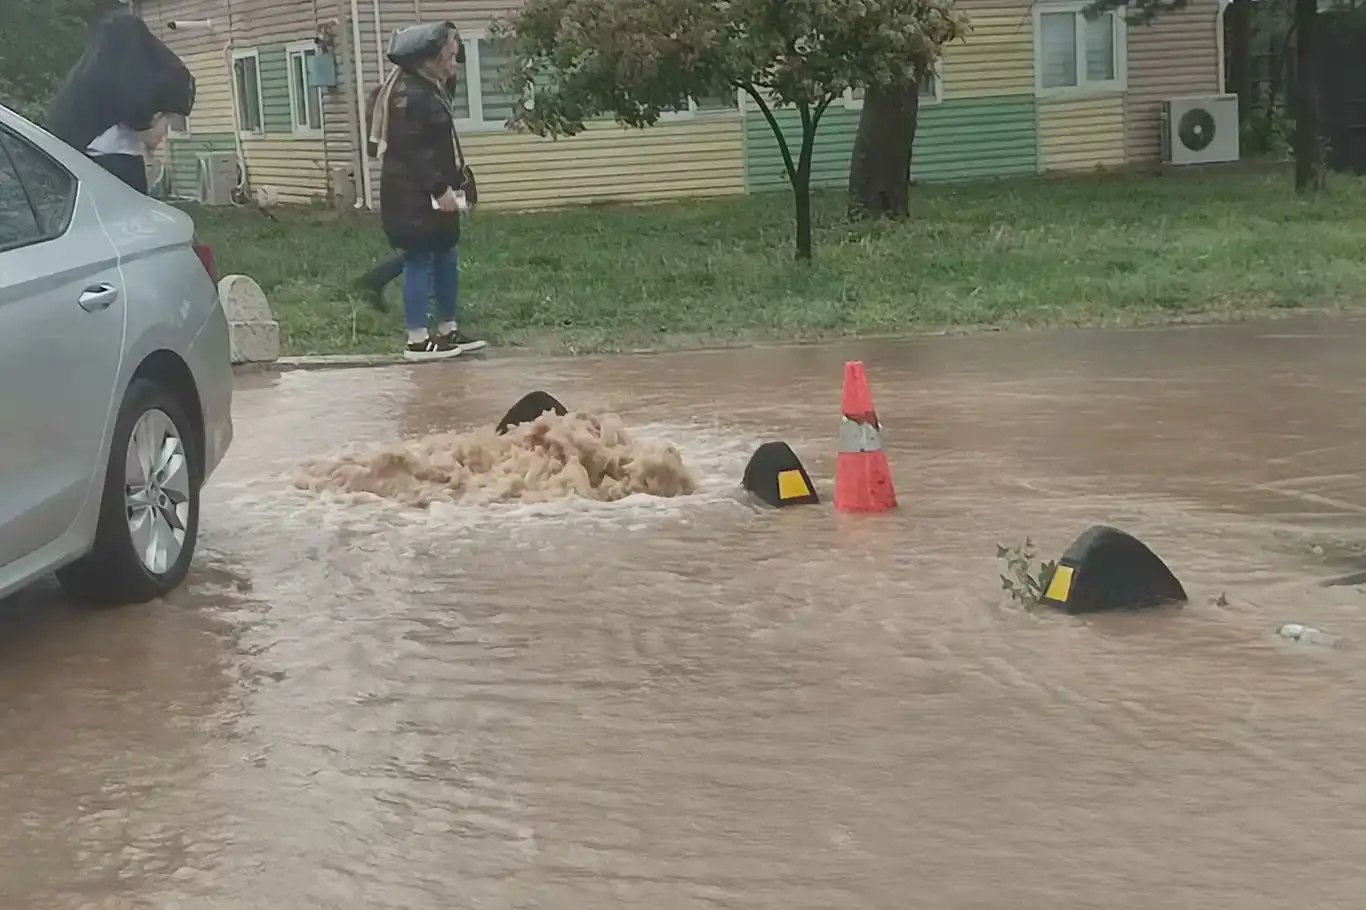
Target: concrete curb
[252,329]
[337,361]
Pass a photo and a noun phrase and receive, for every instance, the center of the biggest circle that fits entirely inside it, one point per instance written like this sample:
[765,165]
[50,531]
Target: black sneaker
[463,342]
[431,349]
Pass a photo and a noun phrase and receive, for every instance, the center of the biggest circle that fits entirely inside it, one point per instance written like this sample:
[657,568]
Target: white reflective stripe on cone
[859,437]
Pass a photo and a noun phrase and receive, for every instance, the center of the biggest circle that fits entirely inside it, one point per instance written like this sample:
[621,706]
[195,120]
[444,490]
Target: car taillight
[205,255]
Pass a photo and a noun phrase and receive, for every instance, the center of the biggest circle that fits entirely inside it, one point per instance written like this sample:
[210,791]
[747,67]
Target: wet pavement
[691,703]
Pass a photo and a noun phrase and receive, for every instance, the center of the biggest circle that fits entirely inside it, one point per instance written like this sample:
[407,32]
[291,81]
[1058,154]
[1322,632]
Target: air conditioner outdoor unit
[1201,129]
[217,178]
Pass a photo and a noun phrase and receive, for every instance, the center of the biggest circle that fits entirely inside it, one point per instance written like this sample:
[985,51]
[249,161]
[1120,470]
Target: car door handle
[98,297]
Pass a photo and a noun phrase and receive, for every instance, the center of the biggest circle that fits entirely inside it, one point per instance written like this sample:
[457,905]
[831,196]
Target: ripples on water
[689,702]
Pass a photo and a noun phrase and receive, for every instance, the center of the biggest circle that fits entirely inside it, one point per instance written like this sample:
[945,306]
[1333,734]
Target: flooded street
[695,703]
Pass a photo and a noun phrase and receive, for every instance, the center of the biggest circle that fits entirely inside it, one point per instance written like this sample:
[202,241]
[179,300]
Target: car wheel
[149,513]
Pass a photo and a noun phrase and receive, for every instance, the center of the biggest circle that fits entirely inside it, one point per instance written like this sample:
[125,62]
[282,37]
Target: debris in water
[552,457]
[1309,635]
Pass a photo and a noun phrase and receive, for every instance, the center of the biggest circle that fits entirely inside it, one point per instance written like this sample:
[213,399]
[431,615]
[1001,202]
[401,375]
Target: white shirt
[117,140]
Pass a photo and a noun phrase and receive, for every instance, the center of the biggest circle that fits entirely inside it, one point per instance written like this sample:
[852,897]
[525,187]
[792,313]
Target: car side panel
[59,366]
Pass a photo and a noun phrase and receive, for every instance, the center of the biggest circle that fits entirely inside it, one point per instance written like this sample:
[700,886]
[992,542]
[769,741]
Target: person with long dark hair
[425,184]
[114,104]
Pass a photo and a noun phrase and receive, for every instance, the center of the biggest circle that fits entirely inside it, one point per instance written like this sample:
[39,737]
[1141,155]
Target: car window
[51,187]
[18,224]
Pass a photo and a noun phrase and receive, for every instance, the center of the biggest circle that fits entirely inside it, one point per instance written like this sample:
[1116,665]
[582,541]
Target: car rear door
[61,346]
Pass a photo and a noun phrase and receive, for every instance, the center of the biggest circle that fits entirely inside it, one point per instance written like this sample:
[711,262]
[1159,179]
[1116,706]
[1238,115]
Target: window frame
[692,111]
[302,50]
[253,54]
[936,79]
[180,134]
[1085,88]
[473,40]
[8,137]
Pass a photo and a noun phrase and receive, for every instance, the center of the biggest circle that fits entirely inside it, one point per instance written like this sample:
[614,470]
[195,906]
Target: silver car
[115,376]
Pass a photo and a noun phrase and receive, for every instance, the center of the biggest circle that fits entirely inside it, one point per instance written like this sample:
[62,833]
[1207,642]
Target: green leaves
[39,41]
[637,59]
[1026,577]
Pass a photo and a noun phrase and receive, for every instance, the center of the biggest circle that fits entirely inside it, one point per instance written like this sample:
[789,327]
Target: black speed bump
[1107,569]
[776,476]
[529,407]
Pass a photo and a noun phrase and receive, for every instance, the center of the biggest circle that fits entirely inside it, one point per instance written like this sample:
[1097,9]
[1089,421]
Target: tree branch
[821,109]
[777,130]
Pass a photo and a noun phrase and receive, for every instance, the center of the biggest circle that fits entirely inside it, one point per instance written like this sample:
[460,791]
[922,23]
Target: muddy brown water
[690,703]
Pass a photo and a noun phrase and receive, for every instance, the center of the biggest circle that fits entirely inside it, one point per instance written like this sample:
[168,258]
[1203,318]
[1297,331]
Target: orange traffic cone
[863,479]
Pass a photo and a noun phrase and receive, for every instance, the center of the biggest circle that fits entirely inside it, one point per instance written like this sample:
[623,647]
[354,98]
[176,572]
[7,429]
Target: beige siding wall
[340,127]
[701,157]
[1081,134]
[256,22]
[294,169]
[997,57]
[213,93]
[1175,56]
[158,13]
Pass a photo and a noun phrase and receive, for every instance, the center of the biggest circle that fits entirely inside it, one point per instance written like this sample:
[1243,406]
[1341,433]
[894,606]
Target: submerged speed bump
[776,476]
[1107,569]
[531,406]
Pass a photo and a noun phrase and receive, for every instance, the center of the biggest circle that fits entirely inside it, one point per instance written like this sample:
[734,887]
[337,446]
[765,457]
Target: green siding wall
[275,90]
[829,161]
[185,154]
[976,138]
[955,140]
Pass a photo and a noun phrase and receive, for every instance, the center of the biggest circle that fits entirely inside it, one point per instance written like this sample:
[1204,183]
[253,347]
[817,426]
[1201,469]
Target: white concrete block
[254,332]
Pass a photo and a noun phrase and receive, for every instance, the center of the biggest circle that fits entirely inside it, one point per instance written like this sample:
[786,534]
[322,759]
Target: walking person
[425,185]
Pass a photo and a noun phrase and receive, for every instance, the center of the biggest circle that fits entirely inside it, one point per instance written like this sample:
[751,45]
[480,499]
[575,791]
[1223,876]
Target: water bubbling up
[581,454]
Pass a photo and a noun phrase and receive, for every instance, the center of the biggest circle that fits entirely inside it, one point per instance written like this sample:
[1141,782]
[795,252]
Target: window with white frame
[246,83]
[710,104]
[1075,53]
[177,125]
[305,101]
[931,90]
[481,102]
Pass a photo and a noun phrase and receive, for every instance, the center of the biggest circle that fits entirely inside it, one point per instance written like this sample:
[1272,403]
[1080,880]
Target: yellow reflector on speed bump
[1106,569]
[792,485]
[1061,584]
[775,475]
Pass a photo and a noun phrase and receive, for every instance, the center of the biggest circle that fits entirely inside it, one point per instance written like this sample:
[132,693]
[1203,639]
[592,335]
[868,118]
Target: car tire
[139,552]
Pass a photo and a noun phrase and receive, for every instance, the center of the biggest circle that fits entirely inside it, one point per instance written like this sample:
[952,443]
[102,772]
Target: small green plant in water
[1025,577]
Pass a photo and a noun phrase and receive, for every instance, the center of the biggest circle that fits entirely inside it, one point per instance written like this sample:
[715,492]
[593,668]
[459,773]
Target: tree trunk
[1238,36]
[801,192]
[880,171]
[801,181]
[1307,147]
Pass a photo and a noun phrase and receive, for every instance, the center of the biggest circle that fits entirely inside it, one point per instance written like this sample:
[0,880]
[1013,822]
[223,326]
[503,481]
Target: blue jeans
[427,274]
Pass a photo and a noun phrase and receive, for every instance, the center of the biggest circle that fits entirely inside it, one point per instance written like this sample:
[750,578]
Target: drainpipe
[379,40]
[358,70]
[231,66]
[1219,45]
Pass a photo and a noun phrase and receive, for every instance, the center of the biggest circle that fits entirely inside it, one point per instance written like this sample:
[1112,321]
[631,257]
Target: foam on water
[322,497]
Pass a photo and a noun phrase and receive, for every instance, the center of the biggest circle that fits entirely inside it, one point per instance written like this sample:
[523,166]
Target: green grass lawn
[1091,250]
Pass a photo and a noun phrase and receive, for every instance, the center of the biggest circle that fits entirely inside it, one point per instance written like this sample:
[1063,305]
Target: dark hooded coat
[419,163]
[126,76]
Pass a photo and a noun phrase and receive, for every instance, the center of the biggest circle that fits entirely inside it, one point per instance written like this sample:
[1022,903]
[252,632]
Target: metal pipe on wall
[363,116]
